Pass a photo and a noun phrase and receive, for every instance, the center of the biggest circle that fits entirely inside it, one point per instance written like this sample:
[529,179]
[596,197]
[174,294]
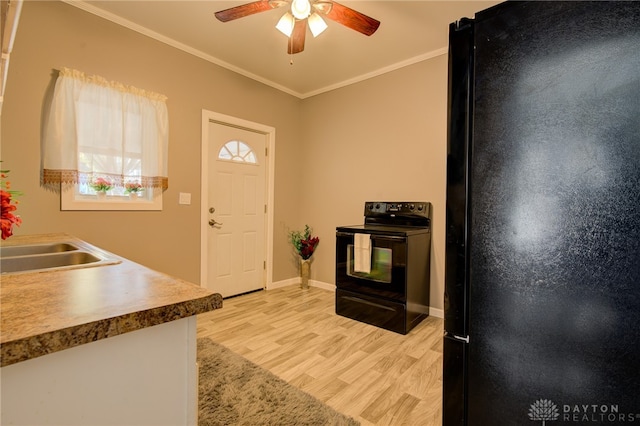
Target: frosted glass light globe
[300,8]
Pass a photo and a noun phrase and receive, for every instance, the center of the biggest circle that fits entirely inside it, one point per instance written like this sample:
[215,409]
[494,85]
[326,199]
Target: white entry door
[236,209]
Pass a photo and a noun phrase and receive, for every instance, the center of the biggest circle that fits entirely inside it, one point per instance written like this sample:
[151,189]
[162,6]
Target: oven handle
[373,236]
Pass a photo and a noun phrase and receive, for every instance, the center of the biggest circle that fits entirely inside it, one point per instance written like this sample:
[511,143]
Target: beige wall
[383,138]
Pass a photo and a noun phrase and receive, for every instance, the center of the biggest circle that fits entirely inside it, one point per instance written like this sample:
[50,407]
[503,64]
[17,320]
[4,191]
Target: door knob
[212,222]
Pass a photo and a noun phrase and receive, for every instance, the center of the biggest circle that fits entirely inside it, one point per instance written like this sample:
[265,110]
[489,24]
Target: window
[237,151]
[108,133]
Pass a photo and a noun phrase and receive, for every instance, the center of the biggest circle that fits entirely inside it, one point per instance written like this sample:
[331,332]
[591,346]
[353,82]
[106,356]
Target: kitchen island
[107,344]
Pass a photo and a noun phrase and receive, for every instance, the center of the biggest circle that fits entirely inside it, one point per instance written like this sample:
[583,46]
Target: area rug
[235,391]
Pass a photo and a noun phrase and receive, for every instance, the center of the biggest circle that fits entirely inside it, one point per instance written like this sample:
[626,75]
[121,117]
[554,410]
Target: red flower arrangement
[303,242]
[7,218]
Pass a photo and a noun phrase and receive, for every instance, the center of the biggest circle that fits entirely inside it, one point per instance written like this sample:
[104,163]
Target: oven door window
[387,276]
[381,262]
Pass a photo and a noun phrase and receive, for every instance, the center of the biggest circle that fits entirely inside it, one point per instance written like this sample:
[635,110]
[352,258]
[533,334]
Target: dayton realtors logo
[546,410]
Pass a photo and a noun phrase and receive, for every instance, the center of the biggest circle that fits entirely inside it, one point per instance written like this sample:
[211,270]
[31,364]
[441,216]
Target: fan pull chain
[290,50]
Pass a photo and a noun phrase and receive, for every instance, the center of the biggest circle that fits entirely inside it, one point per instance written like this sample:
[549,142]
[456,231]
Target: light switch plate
[185,198]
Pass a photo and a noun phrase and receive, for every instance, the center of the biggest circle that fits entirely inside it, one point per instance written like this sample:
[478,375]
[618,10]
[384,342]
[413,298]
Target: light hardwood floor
[373,375]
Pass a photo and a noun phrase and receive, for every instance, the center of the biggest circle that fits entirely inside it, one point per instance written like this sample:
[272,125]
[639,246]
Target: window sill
[70,200]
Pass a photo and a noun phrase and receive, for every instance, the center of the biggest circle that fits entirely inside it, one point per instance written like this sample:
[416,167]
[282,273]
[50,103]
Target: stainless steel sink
[52,257]
[46,261]
[30,249]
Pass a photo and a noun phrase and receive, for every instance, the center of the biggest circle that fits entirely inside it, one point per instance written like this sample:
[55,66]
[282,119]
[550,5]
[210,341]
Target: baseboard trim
[283,283]
[434,312]
[296,281]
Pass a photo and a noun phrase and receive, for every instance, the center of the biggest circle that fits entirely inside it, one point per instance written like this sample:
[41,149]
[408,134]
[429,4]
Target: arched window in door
[237,151]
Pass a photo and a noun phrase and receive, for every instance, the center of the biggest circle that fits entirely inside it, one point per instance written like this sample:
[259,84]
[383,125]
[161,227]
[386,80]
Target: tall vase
[305,272]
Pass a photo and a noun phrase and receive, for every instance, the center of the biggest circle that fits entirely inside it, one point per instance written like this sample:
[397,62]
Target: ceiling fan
[302,12]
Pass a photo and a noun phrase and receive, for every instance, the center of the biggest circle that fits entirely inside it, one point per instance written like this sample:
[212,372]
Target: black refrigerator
[542,264]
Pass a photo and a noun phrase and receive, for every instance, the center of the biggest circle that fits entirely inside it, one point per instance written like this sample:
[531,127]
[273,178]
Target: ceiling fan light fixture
[301,9]
[316,24]
[301,15]
[285,24]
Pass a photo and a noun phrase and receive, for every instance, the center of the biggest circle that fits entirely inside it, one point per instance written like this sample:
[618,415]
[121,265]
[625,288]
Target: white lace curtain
[102,129]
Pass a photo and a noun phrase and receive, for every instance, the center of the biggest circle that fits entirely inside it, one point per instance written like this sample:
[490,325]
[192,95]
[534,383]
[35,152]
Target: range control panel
[417,208]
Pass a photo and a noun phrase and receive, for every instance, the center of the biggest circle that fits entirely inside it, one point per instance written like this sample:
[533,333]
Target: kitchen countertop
[49,311]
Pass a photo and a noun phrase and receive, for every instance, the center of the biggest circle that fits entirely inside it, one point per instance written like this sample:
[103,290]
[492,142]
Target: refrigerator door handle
[460,338]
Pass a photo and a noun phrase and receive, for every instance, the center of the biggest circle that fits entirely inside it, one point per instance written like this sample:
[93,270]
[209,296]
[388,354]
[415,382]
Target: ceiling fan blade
[296,41]
[353,19]
[243,10]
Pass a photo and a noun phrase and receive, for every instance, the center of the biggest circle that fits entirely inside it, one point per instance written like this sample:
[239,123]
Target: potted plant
[133,189]
[101,186]
[305,245]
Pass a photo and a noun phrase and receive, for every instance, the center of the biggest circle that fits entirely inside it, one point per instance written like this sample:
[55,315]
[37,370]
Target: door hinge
[264,264]
[265,208]
[266,151]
